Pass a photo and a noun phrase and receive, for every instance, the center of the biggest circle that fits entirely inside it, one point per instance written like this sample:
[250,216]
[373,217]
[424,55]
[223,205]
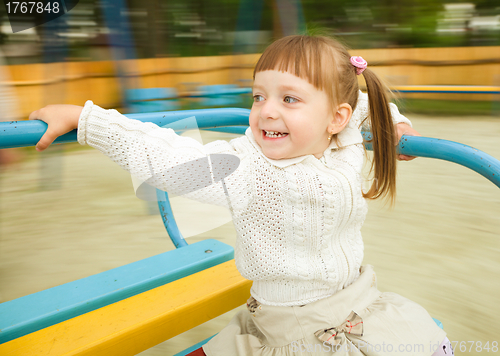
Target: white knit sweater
[298,220]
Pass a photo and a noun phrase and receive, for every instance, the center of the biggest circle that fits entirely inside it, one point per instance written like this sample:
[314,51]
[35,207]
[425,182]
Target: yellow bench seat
[137,323]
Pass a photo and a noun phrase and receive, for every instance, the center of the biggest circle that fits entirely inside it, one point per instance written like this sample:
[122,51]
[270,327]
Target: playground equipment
[134,307]
[167,99]
[152,99]
[448,89]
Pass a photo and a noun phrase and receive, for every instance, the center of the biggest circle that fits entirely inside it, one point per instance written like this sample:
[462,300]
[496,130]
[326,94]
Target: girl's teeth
[275,134]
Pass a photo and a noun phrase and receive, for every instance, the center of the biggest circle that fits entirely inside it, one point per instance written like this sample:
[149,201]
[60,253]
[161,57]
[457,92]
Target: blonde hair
[325,63]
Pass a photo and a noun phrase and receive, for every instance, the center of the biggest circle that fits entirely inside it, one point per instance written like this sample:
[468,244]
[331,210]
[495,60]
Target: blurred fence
[99,81]
[476,66]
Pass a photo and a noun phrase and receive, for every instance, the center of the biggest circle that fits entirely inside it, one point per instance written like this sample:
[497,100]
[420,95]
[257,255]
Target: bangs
[309,58]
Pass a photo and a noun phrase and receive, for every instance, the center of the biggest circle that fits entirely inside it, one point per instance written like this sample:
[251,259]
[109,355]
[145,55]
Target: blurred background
[189,28]
[68,212]
[102,49]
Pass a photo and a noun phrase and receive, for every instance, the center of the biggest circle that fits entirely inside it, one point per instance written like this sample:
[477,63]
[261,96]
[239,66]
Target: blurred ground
[439,246]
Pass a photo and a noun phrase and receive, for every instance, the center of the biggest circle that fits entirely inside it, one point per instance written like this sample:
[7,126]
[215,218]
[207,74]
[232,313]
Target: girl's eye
[290,100]
[257,98]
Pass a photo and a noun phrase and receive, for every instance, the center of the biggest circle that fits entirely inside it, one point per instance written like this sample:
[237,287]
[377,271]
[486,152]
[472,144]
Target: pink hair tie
[359,63]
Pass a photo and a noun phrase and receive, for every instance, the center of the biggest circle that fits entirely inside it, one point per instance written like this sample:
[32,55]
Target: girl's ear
[340,118]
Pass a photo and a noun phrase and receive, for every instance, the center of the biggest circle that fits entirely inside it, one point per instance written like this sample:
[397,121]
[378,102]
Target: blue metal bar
[28,133]
[239,130]
[167,215]
[236,91]
[445,91]
[448,89]
[467,156]
[437,321]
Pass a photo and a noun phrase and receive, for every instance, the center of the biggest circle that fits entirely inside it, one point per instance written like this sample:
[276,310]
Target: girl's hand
[405,129]
[60,118]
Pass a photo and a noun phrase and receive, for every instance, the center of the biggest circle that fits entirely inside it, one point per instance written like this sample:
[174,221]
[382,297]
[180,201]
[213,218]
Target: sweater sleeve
[363,111]
[160,157]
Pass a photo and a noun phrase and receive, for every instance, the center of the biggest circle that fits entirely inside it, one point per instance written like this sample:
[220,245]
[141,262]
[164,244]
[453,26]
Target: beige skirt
[357,320]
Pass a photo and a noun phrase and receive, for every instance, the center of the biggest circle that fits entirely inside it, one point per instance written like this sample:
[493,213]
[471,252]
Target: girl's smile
[273,135]
[290,117]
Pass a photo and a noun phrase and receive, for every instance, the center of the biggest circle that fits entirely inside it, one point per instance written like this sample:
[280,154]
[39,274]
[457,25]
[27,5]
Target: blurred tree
[202,27]
[414,22]
[487,4]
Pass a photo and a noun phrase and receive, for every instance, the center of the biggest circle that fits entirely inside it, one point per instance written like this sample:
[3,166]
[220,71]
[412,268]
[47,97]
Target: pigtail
[383,141]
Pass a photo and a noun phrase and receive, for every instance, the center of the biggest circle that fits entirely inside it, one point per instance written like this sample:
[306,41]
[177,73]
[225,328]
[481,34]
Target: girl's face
[289,116]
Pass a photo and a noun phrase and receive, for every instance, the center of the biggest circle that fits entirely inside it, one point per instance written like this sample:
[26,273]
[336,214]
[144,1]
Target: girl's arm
[145,150]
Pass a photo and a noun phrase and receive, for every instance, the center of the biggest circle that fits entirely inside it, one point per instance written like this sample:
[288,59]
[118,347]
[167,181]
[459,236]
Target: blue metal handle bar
[438,91]
[450,89]
[467,156]
[28,133]
[236,91]
[239,130]
[167,215]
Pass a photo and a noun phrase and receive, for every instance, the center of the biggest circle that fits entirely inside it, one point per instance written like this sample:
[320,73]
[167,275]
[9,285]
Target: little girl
[296,201]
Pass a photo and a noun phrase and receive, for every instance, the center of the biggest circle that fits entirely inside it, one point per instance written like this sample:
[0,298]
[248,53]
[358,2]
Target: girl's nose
[269,110]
